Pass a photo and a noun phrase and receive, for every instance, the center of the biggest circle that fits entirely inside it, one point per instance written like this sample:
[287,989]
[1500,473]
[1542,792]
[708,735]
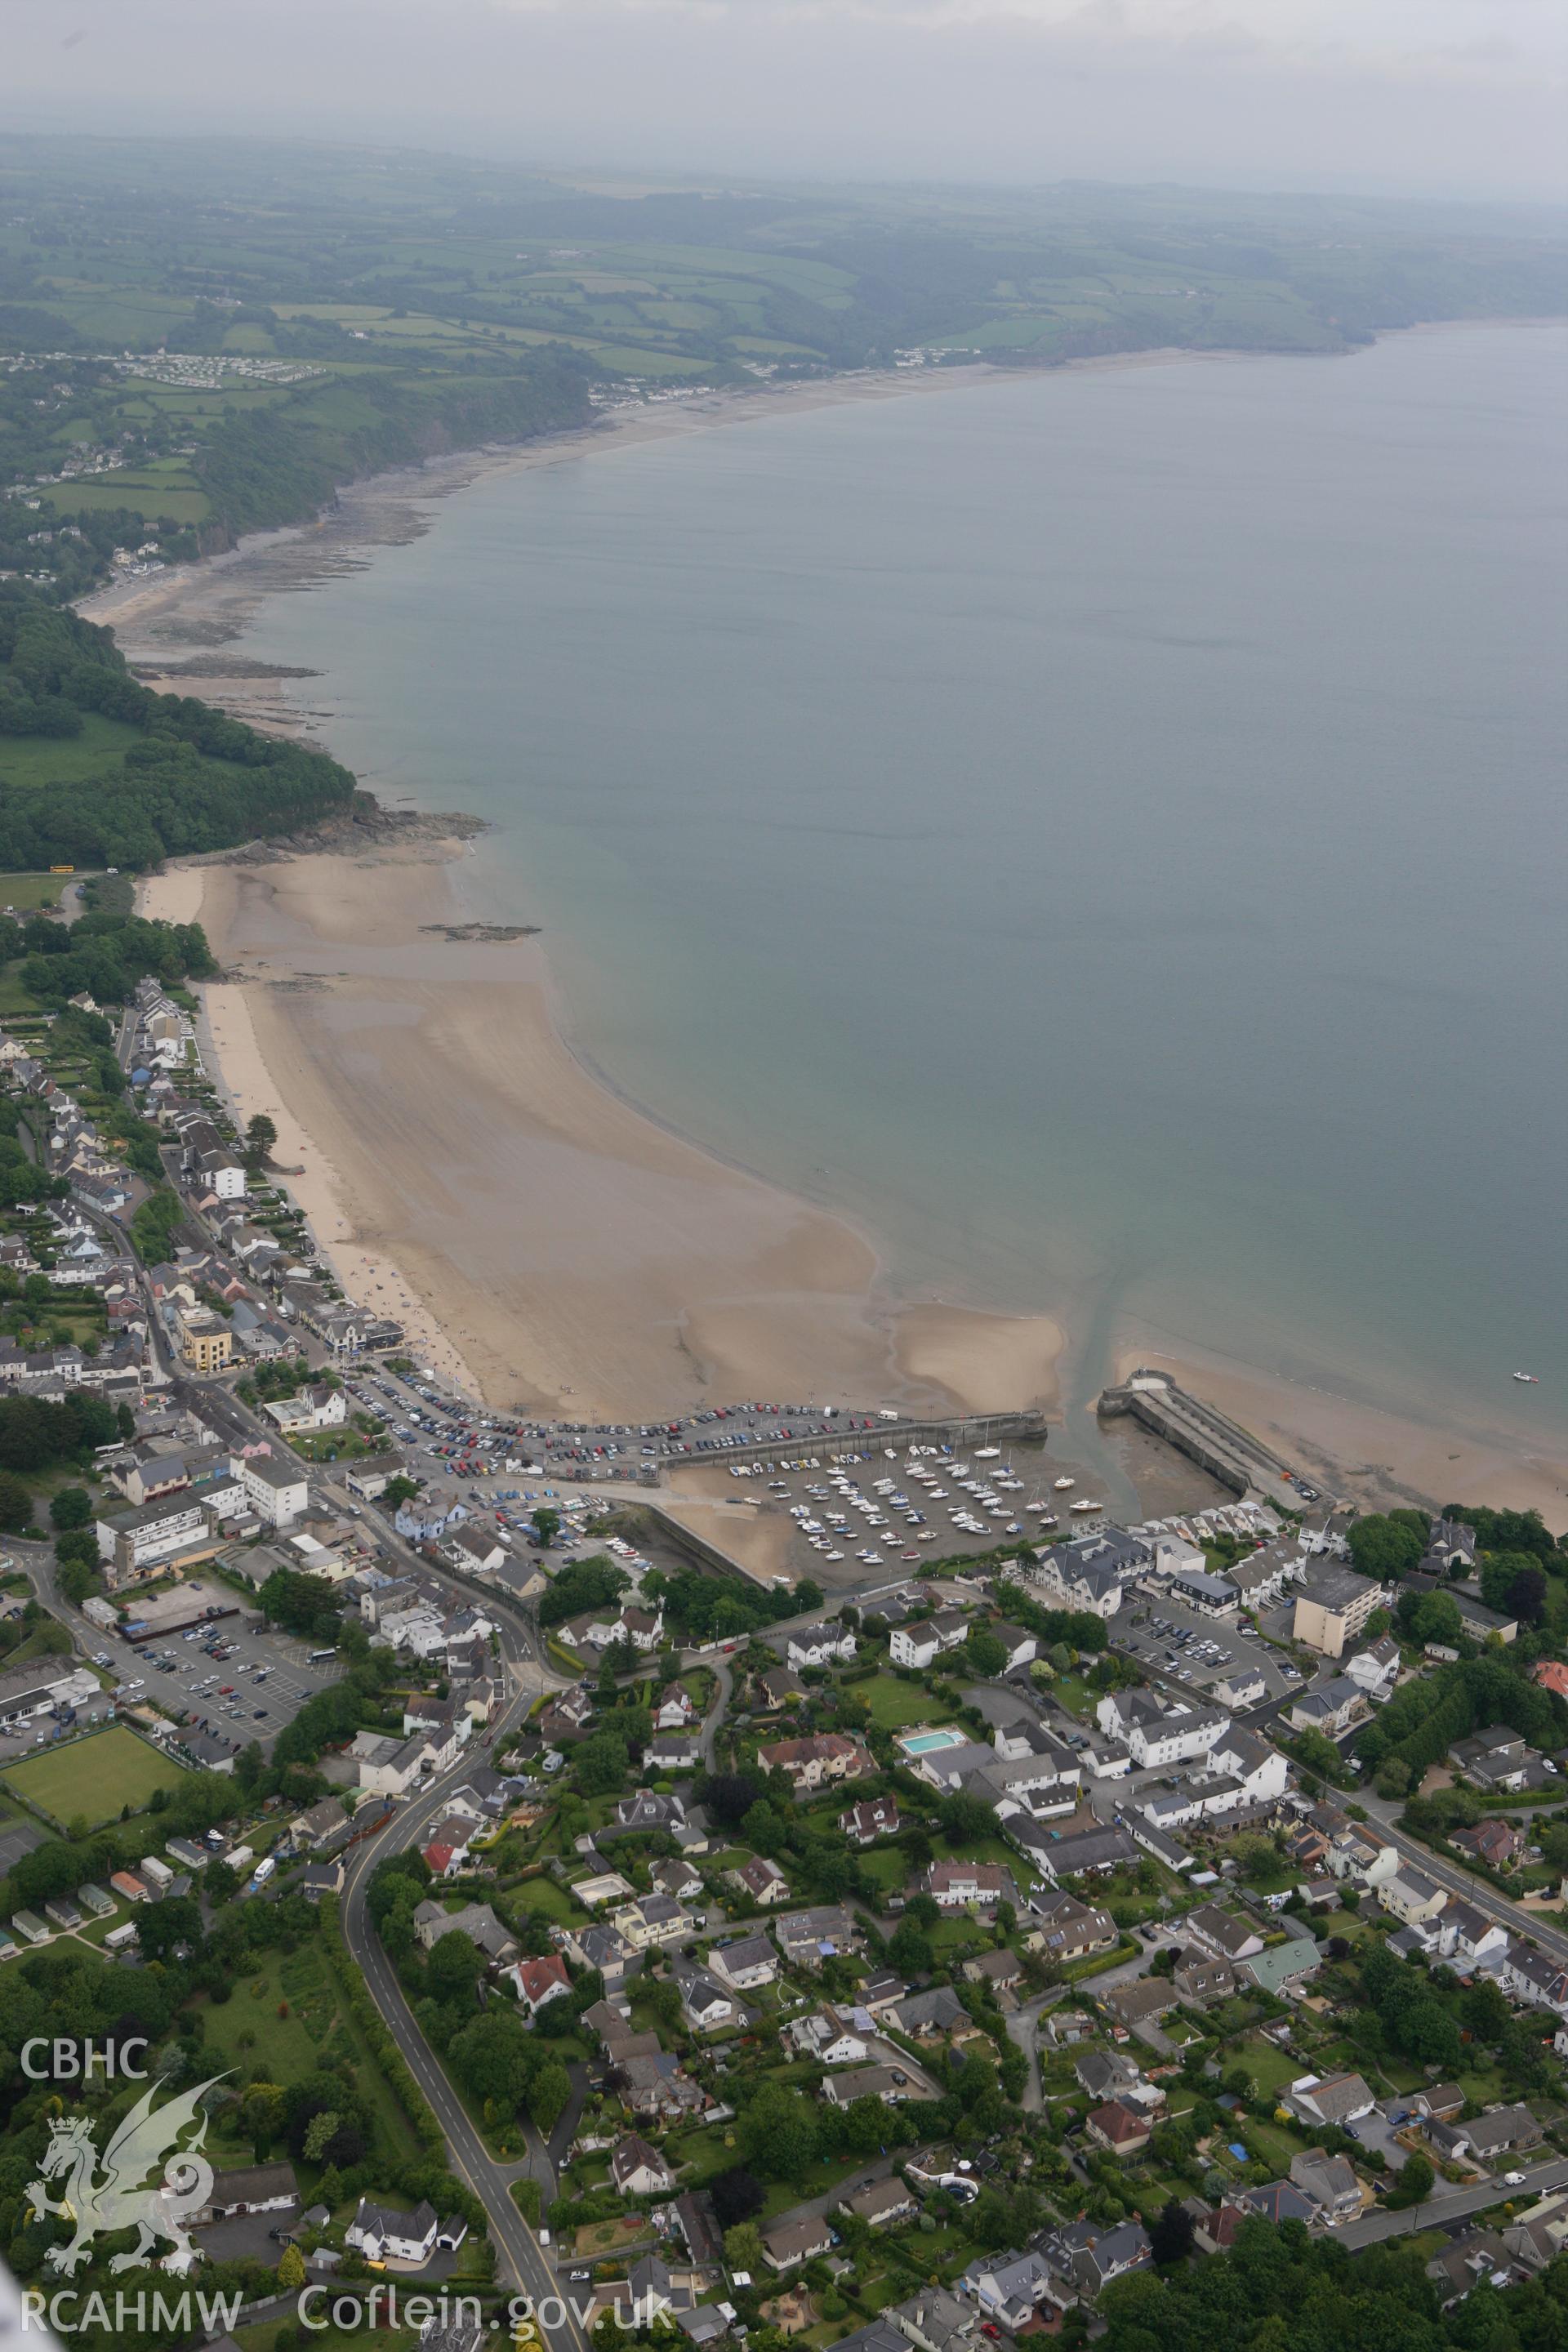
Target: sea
[1103,830]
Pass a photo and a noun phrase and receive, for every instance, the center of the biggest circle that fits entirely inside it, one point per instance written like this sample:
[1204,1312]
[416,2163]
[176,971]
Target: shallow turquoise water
[1104,830]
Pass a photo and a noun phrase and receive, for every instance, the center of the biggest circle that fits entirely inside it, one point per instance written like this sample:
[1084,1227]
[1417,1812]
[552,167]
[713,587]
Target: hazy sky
[1461,97]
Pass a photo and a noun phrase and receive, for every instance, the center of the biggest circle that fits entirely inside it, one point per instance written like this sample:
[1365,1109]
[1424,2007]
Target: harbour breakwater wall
[1221,1446]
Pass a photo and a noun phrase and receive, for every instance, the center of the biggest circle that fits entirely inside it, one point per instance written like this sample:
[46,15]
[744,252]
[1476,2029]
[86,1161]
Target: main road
[522,2263]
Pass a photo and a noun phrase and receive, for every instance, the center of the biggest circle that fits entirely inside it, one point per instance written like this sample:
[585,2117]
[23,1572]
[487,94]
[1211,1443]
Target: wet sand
[551,1245]
[1369,1456]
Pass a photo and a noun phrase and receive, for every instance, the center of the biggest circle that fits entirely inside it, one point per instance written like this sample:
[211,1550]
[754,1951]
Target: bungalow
[745,1964]
[1277,2201]
[1329,2099]
[649,1810]
[881,2202]
[999,1969]
[930,2016]
[885,2083]
[250,2189]
[1479,2257]
[1144,1999]
[673,1751]
[1500,2130]
[476,1920]
[1081,1855]
[796,2241]
[706,2004]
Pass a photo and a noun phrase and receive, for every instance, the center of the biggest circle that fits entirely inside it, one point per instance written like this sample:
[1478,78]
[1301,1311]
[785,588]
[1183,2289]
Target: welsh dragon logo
[145,2141]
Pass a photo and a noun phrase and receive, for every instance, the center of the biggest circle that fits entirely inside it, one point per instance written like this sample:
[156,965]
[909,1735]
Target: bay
[1103,829]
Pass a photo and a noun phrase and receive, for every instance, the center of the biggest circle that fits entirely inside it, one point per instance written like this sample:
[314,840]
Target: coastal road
[1379,2224]
[1460,1881]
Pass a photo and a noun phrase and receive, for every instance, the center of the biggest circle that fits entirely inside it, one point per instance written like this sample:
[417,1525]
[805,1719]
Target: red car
[225,1690]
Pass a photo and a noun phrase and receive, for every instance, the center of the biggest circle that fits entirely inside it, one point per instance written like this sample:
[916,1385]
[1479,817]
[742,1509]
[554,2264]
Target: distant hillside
[208,337]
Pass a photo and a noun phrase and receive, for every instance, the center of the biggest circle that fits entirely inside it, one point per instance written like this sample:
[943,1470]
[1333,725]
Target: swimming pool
[921,1743]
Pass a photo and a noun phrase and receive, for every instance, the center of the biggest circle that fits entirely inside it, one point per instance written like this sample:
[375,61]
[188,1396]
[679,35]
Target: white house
[1180,1737]
[914,1645]
[313,1408]
[1264,1773]
[276,1490]
[380,2233]
[821,1645]
[1376,1669]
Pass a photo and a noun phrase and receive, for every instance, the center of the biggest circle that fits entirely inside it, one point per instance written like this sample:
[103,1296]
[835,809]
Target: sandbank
[547,1243]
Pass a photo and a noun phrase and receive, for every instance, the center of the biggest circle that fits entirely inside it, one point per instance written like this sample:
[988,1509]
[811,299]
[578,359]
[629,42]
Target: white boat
[988,1453]
[1088,1507]
[1533,1378]
[1061,1484]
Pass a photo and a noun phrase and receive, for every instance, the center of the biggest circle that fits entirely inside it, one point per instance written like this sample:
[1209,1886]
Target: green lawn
[94,1779]
[543,1894]
[27,891]
[885,1866]
[1270,2068]
[894,1704]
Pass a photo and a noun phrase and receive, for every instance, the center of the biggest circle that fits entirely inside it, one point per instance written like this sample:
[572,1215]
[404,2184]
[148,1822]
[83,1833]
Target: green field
[895,1704]
[27,891]
[288,2011]
[94,1779]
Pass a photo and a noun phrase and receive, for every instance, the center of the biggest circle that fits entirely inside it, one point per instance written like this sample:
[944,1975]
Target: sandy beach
[547,1245]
